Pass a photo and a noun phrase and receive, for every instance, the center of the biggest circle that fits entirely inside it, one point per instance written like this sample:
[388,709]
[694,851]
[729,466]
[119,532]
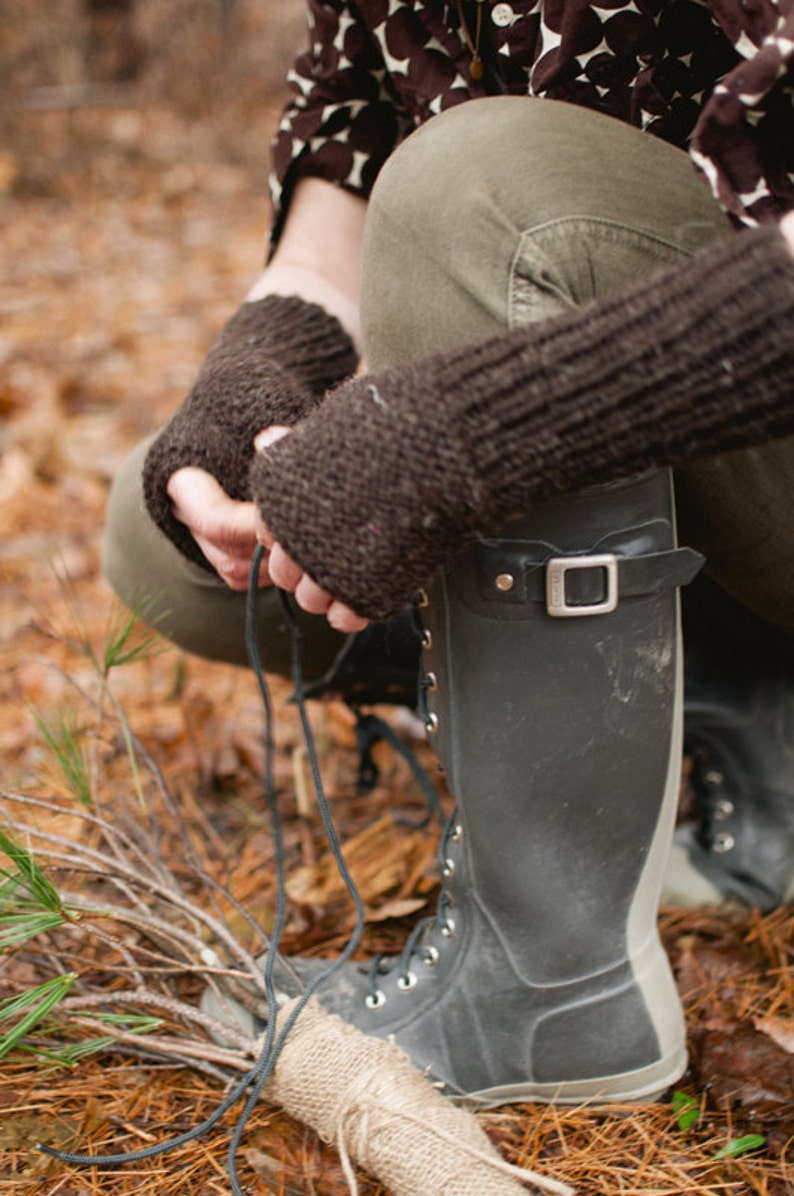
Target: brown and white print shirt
[714,78]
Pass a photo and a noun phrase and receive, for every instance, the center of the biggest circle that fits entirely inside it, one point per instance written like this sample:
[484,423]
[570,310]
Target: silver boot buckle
[558,567]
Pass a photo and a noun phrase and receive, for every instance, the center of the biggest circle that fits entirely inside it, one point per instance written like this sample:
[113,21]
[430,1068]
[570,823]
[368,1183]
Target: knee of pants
[500,196]
[184,603]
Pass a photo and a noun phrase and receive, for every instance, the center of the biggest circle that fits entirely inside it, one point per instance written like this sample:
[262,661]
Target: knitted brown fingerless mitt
[271,364]
[398,471]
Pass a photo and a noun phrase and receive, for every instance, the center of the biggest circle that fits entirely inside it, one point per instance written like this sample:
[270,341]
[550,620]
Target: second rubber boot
[379,665]
[736,839]
[554,683]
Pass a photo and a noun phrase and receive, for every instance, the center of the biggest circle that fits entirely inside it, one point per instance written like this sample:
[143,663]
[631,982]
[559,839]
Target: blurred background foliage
[78,76]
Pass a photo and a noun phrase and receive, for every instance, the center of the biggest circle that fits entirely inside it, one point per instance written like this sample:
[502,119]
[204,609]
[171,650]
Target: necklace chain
[476,68]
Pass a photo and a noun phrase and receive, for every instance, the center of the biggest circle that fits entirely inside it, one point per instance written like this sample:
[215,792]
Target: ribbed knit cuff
[271,364]
[307,342]
[396,472]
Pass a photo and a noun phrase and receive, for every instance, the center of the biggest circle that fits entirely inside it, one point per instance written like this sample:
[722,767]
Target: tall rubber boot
[553,676]
[737,842]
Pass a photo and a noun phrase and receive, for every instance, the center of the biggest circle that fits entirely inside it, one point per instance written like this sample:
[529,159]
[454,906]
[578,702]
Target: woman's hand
[224,529]
[227,532]
[288,575]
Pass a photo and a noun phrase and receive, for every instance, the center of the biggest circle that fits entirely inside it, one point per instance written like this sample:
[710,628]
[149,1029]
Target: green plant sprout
[64,739]
[119,896]
[82,879]
[30,904]
[740,1146]
[127,640]
[687,1110]
[30,1008]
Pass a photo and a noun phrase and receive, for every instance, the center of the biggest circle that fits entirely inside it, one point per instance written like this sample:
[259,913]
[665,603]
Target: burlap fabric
[365,1096]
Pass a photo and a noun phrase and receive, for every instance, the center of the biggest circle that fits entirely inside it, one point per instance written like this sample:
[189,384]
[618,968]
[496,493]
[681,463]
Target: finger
[200,502]
[342,618]
[311,597]
[194,493]
[224,529]
[262,441]
[263,532]
[263,577]
[234,570]
[283,570]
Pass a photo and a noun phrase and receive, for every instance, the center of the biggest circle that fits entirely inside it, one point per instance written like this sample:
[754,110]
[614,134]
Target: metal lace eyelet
[422,598]
[448,927]
[430,957]
[407,982]
[456,834]
[713,778]
[427,639]
[448,868]
[723,809]
[430,683]
[431,723]
[723,842]
[375,1000]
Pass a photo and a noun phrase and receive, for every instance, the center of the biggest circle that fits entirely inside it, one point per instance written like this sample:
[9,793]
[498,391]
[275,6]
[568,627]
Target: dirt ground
[132,219]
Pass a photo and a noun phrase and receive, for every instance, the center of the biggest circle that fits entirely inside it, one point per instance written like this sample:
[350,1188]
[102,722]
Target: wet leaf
[744,1067]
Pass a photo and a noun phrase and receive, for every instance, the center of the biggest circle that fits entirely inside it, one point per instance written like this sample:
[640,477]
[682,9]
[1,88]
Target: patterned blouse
[714,78]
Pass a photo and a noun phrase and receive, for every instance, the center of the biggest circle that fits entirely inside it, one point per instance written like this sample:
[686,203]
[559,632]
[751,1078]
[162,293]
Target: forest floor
[114,277]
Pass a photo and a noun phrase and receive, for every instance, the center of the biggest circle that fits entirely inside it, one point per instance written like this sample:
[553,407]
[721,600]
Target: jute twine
[367,1097]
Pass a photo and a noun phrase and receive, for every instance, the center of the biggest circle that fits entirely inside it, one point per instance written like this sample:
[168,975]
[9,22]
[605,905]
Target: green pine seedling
[65,741]
[72,1054]
[29,879]
[126,642]
[29,902]
[31,1007]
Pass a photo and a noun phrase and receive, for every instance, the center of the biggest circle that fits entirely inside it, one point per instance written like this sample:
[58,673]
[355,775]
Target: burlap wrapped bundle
[366,1096]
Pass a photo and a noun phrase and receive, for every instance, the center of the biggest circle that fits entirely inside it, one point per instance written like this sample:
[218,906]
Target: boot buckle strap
[557,568]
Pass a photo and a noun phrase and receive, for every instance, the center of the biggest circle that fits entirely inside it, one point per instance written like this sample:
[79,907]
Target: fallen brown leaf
[780,1030]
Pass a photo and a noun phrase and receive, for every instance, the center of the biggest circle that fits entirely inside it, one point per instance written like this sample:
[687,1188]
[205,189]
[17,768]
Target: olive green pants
[496,213]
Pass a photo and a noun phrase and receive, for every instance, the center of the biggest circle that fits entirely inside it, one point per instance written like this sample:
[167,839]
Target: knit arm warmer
[398,471]
[271,364]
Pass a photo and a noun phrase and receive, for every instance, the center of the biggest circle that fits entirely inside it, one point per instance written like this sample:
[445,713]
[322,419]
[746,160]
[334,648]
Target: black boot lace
[372,730]
[416,948]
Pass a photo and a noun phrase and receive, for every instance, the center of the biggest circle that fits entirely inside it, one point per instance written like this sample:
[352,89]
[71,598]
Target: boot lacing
[713,806]
[415,947]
